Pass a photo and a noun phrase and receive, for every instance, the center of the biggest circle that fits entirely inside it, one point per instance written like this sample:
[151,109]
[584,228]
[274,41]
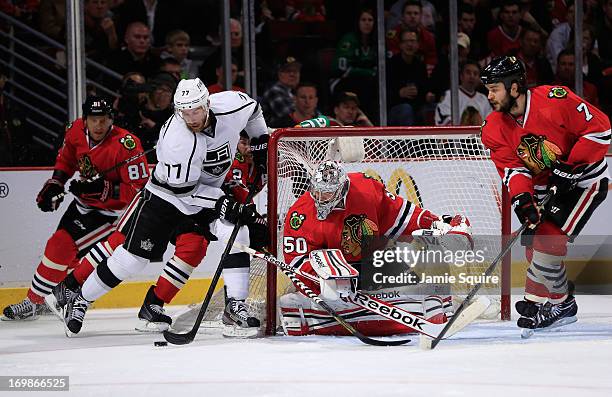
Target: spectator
[537,67]
[52,19]
[22,10]
[469,80]
[505,37]
[407,81]
[305,10]
[467,25]
[355,62]
[171,66]
[306,101]
[471,116]
[347,112]
[411,20]
[15,138]
[560,37]
[208,68]
[177,47]
[134,94]
[157,109]
[604,30]
[440,77]
[220,84]
[566,74]
[278,101]
[100,34]
[160,16]
[137,56]
[592,66]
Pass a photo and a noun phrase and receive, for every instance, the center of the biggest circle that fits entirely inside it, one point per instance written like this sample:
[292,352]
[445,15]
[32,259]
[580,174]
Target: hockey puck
[160,343]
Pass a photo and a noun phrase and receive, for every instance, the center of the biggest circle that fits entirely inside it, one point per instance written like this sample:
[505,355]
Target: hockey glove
[98,189]
[199,223]
[229,209]
[564,176]
[52,188]
[259,234]
[259,149]
[526,209]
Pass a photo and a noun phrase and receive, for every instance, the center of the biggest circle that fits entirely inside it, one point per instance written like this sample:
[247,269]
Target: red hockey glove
[526,209]
[52,188]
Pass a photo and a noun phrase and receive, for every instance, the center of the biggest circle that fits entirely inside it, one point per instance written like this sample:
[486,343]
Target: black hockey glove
[259,234]
[526,209]
[564,176]
[98,189]
[52,188]
[229,209]
[198,223]
[259,149]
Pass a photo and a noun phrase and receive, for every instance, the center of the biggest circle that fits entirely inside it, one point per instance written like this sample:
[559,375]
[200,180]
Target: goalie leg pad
[337,277]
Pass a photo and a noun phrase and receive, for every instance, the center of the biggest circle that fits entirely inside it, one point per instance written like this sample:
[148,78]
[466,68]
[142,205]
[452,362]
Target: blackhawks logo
[357,232]
[86,167]
[239,157]
[128,142]
[537,152]
[296,220]
[557,92]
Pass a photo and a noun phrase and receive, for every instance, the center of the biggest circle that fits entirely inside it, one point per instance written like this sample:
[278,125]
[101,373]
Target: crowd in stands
[320,57]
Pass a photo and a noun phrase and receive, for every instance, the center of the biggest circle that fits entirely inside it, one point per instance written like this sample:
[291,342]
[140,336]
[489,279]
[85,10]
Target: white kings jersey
[192,166]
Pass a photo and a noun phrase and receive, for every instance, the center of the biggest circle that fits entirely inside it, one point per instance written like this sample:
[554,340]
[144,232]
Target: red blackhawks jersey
[78,154]
[240,176]
[558,125]
[368,210]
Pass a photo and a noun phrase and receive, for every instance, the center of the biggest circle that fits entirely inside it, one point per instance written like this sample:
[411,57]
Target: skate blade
[4,318]
[234,331]
[527,332]
[152,327]
[52,305]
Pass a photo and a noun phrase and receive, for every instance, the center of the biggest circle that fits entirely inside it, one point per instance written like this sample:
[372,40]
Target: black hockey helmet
[507,70]
[97,106]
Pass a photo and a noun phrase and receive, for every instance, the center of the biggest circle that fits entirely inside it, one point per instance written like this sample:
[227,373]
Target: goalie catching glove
[96,188]
[452,233]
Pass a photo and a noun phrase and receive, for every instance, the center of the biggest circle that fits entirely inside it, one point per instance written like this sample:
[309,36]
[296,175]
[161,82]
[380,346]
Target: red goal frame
[505,231]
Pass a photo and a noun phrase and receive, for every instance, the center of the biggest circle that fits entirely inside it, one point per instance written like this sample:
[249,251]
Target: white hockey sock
[236,282]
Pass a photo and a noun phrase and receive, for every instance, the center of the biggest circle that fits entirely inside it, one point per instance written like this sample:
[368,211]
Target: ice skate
[24,310]
[548,316]
[75,314]
[152,314]
[237,320]
[58,298]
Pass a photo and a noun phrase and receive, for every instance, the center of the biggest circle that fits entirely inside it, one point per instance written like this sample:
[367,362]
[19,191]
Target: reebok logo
[386,295]
[385,311]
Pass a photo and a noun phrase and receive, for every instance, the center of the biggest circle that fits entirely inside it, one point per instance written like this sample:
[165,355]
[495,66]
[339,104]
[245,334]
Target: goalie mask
[328,186]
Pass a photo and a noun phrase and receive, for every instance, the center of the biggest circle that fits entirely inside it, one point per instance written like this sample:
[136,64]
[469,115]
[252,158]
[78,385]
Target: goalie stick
[488,272]
[380,307]
[114,167]
[184,339]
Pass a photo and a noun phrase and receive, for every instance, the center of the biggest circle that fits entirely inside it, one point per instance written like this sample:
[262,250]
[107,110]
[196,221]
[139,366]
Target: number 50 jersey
[192,166]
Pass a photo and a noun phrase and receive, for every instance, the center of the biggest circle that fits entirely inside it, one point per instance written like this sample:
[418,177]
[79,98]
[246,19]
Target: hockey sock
[60,253]
[107,276]
[189,252]
[546,278]
[97,255]
[236,275]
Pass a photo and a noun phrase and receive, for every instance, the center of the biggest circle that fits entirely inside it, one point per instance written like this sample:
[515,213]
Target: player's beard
[506,105]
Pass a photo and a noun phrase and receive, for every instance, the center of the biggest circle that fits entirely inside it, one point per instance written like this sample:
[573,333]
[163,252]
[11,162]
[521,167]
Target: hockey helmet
[328,186]
[97,106]
[506,70]
[191,94]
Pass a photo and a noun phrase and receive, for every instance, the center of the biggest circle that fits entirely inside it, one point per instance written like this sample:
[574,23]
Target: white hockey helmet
[191,94]
[328,186]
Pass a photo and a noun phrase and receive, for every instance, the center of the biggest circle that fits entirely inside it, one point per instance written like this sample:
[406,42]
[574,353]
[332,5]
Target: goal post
[445,169]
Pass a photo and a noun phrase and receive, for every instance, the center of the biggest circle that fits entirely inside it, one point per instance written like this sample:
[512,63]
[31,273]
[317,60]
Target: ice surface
[110,358]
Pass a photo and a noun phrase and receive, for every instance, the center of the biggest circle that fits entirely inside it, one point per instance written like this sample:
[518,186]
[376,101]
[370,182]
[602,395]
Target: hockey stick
[183,339]
[488,272]
[289,272]
[100,174]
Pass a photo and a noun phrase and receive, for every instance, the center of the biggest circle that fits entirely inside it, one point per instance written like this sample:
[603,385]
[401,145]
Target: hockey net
[444,169]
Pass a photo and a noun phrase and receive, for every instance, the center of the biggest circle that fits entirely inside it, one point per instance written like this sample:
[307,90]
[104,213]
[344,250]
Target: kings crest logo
[146,245]
[296,220]
[357,232]
[218,161]
[557,92]
[86,167]
[128,142]
[537,152]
